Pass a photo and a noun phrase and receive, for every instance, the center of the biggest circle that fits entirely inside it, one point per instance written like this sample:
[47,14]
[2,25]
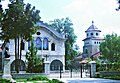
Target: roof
[97,54]
[93,38]
[78,57]
[51,30]
[92,28]
[84,61]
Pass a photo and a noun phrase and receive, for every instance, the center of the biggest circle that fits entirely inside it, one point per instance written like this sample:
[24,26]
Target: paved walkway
[88,80]
[85,79]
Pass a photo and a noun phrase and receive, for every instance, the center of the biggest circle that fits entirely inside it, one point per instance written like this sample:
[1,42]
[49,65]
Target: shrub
[4,81]
[55,81]
[43,78]
[38,78]
[109,67]
[112,77]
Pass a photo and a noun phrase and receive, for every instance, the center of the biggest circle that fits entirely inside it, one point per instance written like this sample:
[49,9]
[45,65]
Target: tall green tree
[34,63]
[65,26]
[110,48]
[18,22]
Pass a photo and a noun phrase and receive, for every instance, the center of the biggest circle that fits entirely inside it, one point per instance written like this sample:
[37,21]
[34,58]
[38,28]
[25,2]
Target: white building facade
[50,44]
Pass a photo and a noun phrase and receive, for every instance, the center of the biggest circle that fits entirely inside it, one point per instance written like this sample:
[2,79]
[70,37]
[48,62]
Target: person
[6,52]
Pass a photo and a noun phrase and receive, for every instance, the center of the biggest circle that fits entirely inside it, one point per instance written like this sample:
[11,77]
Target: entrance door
[55,65]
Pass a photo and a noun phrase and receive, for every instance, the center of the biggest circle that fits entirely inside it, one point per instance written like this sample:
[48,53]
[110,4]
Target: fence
[74,71]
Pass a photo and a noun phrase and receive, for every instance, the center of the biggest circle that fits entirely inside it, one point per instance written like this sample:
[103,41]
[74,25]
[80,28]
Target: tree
[18,22]
[65,26]
[119,5]
[110,48]
[34,64]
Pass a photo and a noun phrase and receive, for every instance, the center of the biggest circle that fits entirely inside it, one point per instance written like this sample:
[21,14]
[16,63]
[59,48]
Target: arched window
[45,44]
[86,51]
[22,45]
[96,34]
[53,47]
[91,34]
[87,34]
[55,65]
[38,43]
[95,42]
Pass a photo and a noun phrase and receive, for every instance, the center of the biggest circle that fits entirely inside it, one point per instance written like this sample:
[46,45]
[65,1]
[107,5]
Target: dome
[92,28]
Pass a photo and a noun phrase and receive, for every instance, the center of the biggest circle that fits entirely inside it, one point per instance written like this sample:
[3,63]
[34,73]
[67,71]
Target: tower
[92,41]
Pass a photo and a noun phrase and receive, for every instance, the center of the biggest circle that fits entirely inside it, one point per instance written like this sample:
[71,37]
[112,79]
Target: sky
[81,13]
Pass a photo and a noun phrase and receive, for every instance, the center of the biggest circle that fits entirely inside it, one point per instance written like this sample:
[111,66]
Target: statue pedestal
[7,72]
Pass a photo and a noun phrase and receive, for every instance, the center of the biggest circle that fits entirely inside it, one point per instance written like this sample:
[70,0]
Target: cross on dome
[92,28]
[92,22]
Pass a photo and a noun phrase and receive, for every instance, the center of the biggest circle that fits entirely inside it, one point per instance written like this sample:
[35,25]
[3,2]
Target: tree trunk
[16,57]
[20,51]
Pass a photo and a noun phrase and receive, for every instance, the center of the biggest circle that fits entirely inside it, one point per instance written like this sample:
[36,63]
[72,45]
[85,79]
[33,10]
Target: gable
[51,31]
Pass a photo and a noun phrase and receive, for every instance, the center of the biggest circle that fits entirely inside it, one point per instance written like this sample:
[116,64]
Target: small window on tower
[95,42]
[86,51]
[91,34]
[87,34]
[96,34]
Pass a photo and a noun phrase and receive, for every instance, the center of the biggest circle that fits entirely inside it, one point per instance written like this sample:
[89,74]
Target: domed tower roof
[92,28]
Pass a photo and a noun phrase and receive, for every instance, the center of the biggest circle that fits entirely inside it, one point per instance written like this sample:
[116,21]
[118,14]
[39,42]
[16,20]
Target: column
[49,47]
[42,47]
[47,67]
[93,68]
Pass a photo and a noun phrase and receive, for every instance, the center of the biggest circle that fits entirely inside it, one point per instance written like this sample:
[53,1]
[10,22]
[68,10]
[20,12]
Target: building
[92,41]
[50,44]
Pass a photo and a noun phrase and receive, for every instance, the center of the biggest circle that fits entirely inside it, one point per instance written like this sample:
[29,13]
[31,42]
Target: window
[87,34]
[38,33]
[45,44]
[38,43]
[97,42]
[22,45]
[91,34]
[96,34]
[94,42]
[53,47]
[86,51]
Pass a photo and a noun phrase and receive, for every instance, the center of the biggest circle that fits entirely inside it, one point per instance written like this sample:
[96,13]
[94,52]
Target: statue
[6,52]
